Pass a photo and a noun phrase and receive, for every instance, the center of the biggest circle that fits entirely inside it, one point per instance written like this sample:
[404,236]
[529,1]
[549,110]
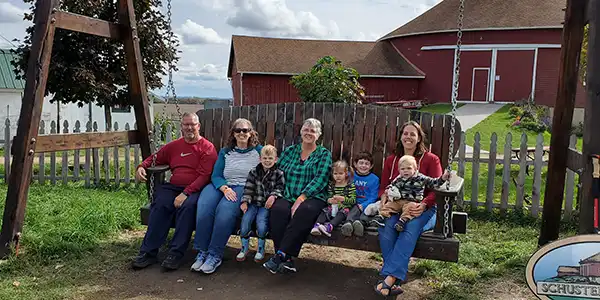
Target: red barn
[511,51]
[590,266]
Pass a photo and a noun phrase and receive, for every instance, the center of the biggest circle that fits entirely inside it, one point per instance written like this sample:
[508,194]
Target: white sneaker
[315,230]
[325,230]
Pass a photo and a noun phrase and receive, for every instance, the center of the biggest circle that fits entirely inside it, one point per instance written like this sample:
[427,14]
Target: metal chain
[461,11]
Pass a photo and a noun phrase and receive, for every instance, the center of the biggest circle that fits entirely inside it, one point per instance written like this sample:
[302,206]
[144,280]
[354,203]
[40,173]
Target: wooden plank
[76,163]
[244,112]
[570,186]
[575,160]
[116,160]
[572,39]
[279,125]
[348,132]
[85,24]
[359,129]
[475,171]
[236,112]
[537,176]
[226,125]
[209,126]
[52,155]
[298,121]
[137,84]
[446,141]
[328,114]
[288,127]
[522,172]
[65,156]
[96,158]
[27,129]
[83,140]
[368,135]
[426,123]
[261,123]
[252,114]
[338,126]
[436,139]
[127,159]
[391,131]
[379,139]
[489,199]
[506,174]
[41,161]
[88,158]
[271,119]
[136,157]
[462,150]
[403,117]
[217,129]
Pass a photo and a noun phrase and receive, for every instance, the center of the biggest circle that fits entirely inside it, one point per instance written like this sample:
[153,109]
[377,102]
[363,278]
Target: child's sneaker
[399,226]
[244,251]
[358,228]
[326,229]
[378,220]
[315,230]
[260,251]
[347,229]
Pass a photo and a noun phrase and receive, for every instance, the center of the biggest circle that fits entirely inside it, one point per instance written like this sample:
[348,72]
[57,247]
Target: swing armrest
[448,190]
[157,169]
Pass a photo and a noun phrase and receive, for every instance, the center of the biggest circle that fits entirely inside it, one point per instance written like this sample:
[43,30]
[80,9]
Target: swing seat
[431,245]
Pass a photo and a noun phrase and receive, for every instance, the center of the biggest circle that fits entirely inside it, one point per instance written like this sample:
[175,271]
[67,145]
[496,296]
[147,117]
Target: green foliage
[515,111]
[578,130]
[86,68]
[583,56]
[165,124]
[329,81]
[531,117]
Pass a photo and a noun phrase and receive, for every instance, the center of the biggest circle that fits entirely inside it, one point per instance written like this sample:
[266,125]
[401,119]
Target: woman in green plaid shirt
[307,168]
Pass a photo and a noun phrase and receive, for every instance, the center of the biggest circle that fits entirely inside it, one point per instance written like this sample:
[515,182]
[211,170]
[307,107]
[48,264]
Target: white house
[11,94]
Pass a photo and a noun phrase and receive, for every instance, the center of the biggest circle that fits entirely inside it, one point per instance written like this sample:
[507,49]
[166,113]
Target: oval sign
[566,269]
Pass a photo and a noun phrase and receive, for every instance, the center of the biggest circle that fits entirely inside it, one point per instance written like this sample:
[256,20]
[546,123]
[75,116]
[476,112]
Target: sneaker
[347,229]
[399,226]
[172,262]
[288,266]
[143,260]
[273,264]
[244,251]
[260,251]
[210,265]
[200,258]
[326,229]
[359,228]
[378,220]
[315,230]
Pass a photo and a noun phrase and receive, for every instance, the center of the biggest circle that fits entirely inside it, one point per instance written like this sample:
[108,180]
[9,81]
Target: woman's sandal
[394,289]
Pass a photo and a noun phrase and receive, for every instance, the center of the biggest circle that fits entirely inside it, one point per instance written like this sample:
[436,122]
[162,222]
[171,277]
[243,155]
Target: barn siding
[392,89]
[515,70]
[470,60]
[546,83]
[235,84]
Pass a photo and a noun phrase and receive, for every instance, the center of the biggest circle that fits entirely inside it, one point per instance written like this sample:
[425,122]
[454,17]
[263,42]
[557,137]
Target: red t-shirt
[428,164]
[191,164]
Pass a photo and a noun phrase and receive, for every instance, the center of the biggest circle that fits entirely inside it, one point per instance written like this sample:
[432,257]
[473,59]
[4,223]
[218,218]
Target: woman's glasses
[240,130]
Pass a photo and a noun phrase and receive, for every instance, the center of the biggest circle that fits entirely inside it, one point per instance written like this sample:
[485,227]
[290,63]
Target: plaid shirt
[261,184]
[309,177]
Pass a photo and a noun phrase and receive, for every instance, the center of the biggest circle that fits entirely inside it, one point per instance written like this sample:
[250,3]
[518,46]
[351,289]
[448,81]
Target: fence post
[522,170]
[7,150]
[42,168]
[570,185]
[127,159]
[475,172]
[489,199]
[88,128]
[506,168]
[53,156]
[65,157]
[76,153]
[116,159]
[461,167]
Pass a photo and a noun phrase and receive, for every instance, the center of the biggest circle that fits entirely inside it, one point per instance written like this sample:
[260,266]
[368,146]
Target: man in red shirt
[191,160]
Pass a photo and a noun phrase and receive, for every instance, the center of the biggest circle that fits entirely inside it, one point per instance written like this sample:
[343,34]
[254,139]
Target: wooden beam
[27,130]
[574,160]
[591,121]
[85,140]
[85,24]
[137,83]
[572,39]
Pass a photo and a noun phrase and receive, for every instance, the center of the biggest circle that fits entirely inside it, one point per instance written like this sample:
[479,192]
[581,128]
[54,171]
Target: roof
[8,78]
[568,269]
[294,56]
[486,14]
[592,259]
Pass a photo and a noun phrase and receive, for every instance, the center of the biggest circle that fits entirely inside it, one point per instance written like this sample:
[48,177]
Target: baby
[408,187]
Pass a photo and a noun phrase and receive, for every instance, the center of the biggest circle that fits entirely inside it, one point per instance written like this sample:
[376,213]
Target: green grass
[499,123]
[439,108]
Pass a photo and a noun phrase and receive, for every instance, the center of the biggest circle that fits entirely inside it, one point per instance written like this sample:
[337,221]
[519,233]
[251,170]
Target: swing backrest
[347,128]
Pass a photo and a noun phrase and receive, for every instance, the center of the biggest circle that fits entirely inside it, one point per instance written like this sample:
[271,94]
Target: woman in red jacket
[397,247]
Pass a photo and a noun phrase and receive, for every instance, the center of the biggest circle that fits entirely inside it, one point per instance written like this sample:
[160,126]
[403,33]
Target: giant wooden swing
[48,18]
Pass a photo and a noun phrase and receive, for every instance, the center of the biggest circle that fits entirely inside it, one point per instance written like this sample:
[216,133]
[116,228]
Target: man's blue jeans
[216,218]
[397,247]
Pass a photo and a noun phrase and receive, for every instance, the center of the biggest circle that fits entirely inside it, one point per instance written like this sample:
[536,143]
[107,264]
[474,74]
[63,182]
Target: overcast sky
[205,28]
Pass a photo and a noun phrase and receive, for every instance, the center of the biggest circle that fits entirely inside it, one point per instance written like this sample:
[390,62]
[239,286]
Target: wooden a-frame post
[47,19]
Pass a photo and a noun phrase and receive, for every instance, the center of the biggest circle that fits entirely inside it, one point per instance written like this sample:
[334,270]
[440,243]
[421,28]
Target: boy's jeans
[261,215]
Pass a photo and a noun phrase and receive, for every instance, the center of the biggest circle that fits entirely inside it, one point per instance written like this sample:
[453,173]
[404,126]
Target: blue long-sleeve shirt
[367,188]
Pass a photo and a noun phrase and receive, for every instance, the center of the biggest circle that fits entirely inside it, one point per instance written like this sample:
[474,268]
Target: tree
[329,81]
[90,69]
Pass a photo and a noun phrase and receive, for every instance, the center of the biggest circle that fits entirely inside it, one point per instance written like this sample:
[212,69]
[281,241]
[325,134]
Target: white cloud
[10,13]
[193,33]
[273,17]
[191,72]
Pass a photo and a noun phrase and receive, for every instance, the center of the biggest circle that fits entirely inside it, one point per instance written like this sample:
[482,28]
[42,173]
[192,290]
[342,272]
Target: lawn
[499,123]
[72,235]
[439,108]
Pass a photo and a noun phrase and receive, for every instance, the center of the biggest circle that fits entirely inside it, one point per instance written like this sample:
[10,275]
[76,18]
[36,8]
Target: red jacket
[428,164]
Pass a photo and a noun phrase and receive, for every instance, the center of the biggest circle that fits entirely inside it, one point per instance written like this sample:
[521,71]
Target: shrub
[515,111]
[577,130]
[529,116]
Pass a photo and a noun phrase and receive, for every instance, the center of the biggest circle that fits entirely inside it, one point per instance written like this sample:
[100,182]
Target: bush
[515,111]
[531,117]
[577,130]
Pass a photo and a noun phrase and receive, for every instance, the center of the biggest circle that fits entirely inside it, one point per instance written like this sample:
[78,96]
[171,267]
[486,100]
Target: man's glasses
[240,130]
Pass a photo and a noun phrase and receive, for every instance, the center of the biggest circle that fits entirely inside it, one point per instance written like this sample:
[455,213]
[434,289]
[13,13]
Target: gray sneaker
[359,228]
[347,229]
[210,265]
[200,258]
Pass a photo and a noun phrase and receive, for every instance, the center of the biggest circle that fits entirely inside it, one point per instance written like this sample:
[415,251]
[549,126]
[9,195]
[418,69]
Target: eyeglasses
[240,130]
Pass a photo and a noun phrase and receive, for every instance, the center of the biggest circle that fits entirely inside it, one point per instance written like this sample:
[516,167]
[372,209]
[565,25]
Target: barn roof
[485,14]
[294,56]
[8,79]
[592,259]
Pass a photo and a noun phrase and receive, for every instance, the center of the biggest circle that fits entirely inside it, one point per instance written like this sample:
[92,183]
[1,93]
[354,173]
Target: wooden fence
[487,183]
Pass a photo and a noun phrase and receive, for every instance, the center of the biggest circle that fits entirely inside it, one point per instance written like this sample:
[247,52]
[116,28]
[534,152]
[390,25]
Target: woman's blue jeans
[216,219]
[397,247]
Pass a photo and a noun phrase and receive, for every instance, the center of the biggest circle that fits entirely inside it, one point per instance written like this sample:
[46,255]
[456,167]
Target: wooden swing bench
[354,128]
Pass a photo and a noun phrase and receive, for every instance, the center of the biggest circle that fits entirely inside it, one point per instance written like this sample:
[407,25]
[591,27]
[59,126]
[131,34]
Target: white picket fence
[116,165]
